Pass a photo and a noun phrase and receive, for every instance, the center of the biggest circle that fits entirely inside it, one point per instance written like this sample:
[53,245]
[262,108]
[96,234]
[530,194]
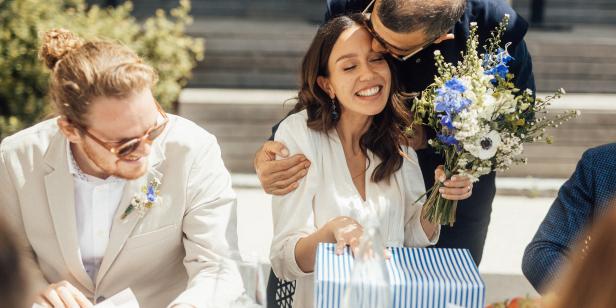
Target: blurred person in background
[114,193]
[13,277]
[584,197]
[589,278]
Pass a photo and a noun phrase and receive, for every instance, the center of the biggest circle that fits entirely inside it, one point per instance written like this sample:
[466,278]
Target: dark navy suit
[586,195]
[416,73]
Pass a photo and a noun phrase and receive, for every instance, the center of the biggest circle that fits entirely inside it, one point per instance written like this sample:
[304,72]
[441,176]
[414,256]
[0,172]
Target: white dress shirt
[96,203]
[328,191]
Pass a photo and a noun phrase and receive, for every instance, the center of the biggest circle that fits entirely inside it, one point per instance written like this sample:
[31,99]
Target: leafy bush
[160,40]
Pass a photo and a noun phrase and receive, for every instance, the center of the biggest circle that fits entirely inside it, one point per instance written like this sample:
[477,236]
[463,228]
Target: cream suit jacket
[181,251]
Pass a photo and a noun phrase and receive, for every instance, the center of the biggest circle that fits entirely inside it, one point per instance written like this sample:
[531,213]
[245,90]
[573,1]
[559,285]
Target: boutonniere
[147,198]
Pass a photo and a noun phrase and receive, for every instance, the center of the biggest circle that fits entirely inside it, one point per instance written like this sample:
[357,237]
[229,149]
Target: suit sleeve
[11,211]
[210,233]
[568,216]
[292,213]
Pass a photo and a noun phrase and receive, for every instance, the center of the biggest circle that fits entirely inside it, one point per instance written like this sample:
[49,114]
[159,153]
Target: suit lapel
[122,229]
[60,190]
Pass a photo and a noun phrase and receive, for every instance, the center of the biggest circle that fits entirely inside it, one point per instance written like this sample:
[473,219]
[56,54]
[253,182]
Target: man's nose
[377,46]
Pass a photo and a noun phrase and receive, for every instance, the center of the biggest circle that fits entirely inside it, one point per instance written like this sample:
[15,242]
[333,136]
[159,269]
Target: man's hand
[63,295]
[279,177]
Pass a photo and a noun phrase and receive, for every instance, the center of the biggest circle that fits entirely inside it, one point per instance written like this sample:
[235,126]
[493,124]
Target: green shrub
[160,40]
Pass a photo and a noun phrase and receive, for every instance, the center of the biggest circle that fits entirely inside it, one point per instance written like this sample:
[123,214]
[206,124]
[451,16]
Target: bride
[347,122]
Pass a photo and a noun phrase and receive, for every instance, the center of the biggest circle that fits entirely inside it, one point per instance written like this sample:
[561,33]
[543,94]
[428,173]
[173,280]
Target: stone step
[242,121]
[288,9]
[249,53]
[573,12]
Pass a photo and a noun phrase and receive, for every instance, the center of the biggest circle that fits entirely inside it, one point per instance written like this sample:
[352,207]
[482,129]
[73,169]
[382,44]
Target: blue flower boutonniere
[147,198]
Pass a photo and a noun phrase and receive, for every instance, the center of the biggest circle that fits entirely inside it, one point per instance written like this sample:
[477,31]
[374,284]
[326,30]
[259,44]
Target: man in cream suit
[116,194]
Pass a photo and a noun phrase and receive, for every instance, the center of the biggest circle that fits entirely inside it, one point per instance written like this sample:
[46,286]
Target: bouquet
[481,119]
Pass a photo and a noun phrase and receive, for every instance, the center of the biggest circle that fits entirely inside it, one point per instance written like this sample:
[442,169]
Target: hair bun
[56,43]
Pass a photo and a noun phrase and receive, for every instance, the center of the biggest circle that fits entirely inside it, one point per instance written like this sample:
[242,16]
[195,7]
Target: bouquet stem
[438,209]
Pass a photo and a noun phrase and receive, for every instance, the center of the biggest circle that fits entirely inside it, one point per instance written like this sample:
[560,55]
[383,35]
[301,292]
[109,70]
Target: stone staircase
[259,44]
[311,10]
[581,60]
[266,54]
[257,54]
[573,12]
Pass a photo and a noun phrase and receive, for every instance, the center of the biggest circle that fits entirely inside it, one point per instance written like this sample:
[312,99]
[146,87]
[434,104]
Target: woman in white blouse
[348,125]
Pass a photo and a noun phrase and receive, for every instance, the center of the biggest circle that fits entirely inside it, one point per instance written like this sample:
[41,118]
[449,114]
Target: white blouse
[328,191]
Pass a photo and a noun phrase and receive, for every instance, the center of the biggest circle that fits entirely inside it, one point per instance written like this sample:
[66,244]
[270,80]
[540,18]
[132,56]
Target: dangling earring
[335,114]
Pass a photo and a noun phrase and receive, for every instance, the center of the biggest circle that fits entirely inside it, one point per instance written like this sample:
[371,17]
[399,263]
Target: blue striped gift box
[419,277]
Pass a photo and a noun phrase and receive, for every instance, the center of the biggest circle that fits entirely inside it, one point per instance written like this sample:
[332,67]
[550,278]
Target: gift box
[419,277]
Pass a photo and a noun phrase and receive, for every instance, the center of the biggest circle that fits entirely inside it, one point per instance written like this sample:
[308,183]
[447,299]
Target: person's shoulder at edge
[295,123]
[38,135]
[182,131]
[605,153]
[489,13]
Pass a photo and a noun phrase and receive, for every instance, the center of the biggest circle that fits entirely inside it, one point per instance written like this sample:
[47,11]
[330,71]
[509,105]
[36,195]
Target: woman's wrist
[326,232]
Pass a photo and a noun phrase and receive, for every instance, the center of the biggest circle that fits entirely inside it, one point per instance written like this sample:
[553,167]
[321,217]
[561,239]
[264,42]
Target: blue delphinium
[447,139]
[151,194]
[447,121]
[501,67]
[449,97]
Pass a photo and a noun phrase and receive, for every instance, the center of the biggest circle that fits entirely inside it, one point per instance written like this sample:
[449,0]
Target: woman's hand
[340,230]
[345,231]
[456,188]
[63,294]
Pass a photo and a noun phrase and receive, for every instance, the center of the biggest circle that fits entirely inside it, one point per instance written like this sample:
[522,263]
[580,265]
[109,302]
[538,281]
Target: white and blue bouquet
[481,120]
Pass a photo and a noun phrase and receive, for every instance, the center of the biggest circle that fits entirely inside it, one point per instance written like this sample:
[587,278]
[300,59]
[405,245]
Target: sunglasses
[130,146]
[391,49]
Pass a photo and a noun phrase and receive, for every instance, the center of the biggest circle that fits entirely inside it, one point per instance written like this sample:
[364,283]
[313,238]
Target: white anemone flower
[486,146]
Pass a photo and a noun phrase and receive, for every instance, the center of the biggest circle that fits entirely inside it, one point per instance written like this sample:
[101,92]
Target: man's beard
[116,172]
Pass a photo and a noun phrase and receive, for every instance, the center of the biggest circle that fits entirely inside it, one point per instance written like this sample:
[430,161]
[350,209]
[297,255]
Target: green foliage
[160,40]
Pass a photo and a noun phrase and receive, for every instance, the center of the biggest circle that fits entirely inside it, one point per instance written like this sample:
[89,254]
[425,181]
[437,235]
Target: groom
[114,193]
[410,31]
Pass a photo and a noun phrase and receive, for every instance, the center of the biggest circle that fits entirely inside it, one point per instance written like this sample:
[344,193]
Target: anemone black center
[486,143]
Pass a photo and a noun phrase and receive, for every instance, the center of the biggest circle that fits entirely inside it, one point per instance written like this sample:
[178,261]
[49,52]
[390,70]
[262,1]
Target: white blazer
[179,252]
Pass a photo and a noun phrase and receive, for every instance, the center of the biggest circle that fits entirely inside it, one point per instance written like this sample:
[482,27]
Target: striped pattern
[419,277]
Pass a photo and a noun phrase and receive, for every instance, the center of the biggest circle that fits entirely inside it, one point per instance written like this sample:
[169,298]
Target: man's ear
[326,86]
[444,37]
[69,130]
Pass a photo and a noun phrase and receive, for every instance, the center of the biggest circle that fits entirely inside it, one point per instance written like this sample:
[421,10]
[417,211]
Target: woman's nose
[367,71]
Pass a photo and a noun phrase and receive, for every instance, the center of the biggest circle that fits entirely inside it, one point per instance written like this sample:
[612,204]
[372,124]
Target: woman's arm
[341,230]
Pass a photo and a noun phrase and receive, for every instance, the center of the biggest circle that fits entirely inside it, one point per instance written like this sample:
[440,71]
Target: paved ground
[514,221]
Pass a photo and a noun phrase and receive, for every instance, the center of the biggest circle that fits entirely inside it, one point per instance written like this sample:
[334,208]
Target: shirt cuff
[291,270]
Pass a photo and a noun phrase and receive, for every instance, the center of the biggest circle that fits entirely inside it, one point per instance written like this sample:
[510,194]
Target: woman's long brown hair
[385,133]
